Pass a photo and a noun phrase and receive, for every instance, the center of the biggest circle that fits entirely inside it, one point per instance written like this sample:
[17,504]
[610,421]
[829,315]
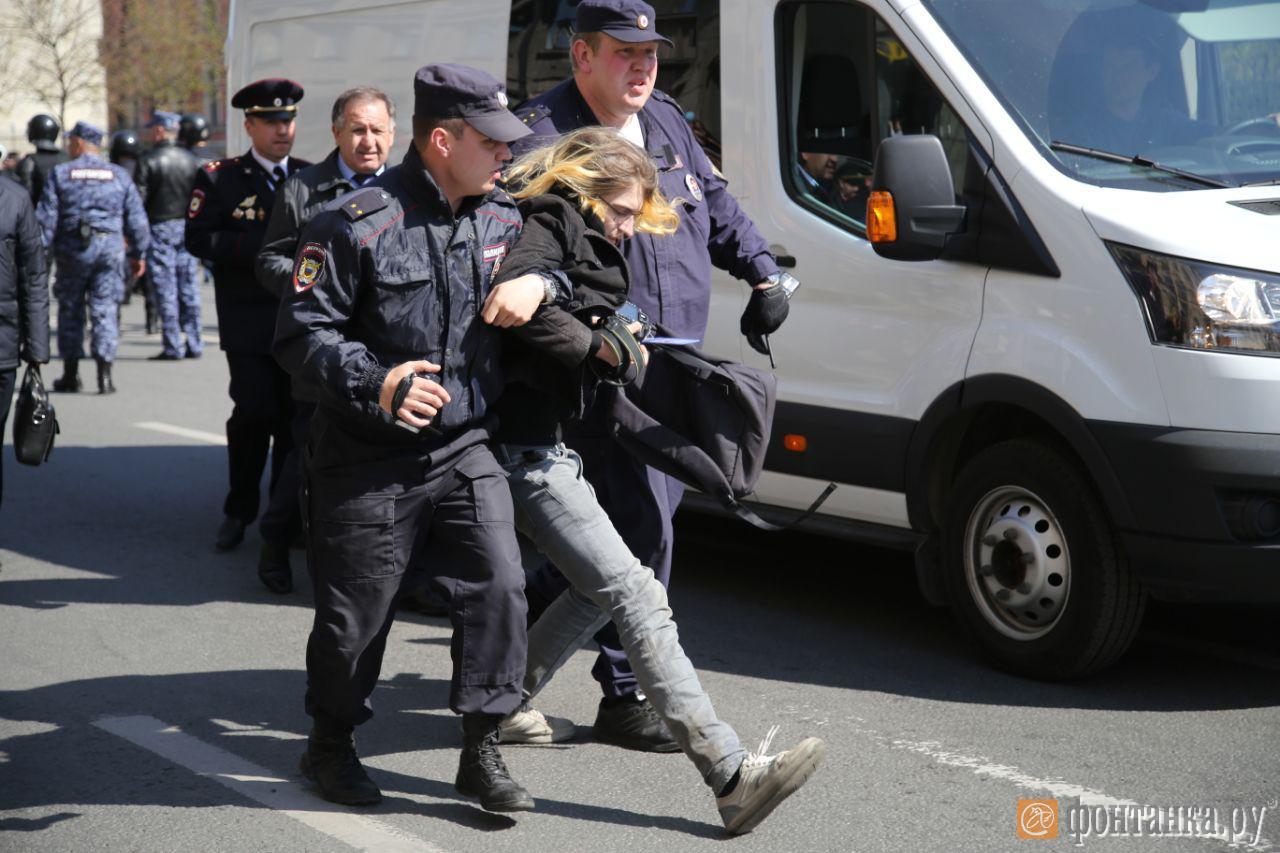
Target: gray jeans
[557,509]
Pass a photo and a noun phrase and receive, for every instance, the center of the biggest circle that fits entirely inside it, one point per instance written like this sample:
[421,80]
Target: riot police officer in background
[125,151]
[193,134]
[166,176]
[226,220]
[87,210]
[33,170]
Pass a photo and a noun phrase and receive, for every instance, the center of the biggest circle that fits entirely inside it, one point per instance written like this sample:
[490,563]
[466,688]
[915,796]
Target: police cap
[625,20]
[87,132]
[273,98]
[445,90]
[165,119]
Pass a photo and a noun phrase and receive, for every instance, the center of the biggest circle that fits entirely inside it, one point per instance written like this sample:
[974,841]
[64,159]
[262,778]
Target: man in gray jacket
[364,128]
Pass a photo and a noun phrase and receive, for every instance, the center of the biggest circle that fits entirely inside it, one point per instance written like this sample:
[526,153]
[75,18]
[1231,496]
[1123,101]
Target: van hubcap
[1016,563]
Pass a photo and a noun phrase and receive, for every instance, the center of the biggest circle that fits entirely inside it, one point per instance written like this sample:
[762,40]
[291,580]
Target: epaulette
[659,95]
[532,115]
[213,166]
[360,204]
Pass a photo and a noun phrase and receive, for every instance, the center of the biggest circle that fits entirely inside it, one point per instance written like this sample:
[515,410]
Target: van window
[1186,83]
[689,71]
[847,82]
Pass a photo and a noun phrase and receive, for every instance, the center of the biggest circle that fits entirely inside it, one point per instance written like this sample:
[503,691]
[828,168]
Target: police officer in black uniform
[383,322]
[193,133]
[226,220]
[31,171]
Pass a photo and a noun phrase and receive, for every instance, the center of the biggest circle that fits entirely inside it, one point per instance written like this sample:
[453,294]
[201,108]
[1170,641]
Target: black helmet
[124,143]
[43,128]
[192,130]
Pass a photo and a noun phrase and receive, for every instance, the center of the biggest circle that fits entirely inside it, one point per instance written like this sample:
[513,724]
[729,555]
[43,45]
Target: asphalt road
[151,690]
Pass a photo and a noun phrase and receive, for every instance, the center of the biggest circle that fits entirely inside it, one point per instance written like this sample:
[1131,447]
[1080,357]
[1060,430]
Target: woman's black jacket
[544,360]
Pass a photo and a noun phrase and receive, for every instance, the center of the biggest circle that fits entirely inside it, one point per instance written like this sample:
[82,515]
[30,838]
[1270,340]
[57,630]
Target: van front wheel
[1031,565]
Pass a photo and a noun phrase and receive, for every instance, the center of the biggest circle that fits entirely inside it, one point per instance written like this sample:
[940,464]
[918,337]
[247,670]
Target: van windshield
[1190,84]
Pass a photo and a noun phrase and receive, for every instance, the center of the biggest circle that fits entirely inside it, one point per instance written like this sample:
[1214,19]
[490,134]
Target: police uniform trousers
[92,276]
[372,511]
[640,501]
[175,287]
[261,415]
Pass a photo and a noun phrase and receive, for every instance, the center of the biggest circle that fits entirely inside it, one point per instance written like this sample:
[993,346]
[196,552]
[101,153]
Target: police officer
[193,134]
[615,63]
[32,170]
[226,219]
[88,208]
[24,295]
[125,150]
[166,176]
[383,322]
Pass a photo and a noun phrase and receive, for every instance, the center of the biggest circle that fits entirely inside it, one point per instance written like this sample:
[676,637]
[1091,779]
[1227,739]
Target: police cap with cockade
[165,119]
[274,98]
[89,133]
[625,20]
[446,90]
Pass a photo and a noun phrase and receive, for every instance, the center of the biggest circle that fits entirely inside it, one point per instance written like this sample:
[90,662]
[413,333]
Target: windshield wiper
[1136,160]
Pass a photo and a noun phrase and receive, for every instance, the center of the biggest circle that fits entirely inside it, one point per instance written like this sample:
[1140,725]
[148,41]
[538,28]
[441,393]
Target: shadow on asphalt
[787,606]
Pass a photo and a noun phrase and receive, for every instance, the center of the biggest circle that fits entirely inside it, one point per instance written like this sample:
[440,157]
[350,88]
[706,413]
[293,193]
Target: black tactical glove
[765,311]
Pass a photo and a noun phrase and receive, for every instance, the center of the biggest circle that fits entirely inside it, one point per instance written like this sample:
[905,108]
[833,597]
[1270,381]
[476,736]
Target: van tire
[1032,568]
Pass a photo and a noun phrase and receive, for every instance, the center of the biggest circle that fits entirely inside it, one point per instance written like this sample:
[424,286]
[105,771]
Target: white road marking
[1057,788]
[262,786]
[184,432]
[233,729]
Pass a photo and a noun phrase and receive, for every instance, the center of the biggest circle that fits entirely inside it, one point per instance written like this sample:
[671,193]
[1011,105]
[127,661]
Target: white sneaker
[528,725]
[764,781]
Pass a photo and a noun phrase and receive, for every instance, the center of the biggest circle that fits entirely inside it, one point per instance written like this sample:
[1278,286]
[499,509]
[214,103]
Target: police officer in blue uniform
[166,176]
[226,220]
[87,209]
[615,60]
[382,322]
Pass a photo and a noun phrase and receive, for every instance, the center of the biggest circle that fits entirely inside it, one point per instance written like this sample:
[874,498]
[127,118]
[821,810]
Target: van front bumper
[1205,506]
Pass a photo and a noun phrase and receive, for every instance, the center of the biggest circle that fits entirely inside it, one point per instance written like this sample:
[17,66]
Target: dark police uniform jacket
[670,276]
[165,176]
[303,196]
[33,170]
[386,275]
[226,219]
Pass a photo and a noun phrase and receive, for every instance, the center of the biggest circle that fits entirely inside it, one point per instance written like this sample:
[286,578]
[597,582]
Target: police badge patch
[493,254]
[309,267]
[695,189]
[197,202]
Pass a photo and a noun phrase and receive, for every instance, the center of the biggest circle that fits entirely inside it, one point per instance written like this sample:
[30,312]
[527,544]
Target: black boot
[331,763]
[70,381]
[273,568]
[105,385]
[482,772]
[151,318]
[633,723]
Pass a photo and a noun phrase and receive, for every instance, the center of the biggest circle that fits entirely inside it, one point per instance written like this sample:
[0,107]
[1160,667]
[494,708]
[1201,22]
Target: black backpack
[705,421]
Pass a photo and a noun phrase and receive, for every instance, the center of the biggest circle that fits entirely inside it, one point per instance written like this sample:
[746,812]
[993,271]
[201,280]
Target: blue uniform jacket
[386,275]
[89,191]
[670,276]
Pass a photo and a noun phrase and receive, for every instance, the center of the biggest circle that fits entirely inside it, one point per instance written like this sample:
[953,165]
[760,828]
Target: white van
[1059,384]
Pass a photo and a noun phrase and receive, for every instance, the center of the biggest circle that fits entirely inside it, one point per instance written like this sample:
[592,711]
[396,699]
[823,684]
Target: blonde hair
[592,163]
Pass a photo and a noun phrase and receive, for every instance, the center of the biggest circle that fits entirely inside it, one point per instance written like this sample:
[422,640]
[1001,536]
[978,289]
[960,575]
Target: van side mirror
[913,207]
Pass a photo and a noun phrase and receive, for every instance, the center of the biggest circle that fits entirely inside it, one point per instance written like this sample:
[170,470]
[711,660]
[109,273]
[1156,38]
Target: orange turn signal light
[882,219]
[795,443]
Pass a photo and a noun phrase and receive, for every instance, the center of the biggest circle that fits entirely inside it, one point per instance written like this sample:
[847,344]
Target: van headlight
[1201,305]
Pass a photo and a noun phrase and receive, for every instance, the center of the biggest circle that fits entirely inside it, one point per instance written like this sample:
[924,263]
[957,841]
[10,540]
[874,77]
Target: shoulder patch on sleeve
[532,115]
[309,267]
[360,204]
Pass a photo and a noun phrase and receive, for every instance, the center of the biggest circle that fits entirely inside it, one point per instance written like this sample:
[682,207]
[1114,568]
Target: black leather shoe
[190,353]
[164,356]
[230,534]
[482,772]
[105,385]
[273,568]
[634,724]
[331,763]
[69,382]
